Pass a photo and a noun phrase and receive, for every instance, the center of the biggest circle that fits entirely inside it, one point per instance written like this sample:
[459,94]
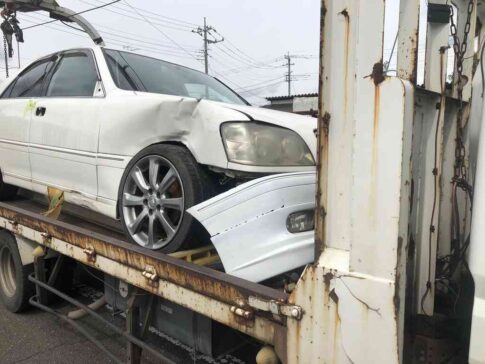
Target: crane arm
[56,12]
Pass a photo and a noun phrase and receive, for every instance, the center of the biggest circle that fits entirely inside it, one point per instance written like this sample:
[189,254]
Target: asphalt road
[38,337]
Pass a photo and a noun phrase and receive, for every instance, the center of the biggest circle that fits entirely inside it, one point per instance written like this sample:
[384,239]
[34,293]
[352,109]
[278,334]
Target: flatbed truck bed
[253,309]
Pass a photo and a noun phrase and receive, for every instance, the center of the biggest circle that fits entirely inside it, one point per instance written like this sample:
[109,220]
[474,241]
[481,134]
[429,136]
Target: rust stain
[327,278]
[345,13]
[377,101]
[336,329]
[333,296]
[414,56]
[376,76]
[397,297]
[322,171]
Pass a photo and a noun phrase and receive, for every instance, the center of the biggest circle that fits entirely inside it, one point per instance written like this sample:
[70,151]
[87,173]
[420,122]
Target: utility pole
[288,75]
[205,33]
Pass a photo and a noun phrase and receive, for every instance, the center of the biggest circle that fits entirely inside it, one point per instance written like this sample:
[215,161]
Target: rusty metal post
[322,158]
[407,55]
[353,296]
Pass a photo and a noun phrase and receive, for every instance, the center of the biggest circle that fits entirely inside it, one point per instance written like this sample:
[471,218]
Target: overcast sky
[257,36]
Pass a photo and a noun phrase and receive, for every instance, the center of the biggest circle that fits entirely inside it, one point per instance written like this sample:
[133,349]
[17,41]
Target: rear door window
[74,76]
[31,81]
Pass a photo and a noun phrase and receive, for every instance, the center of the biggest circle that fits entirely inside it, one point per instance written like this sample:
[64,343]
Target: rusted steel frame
[408,31]
[208,282]
[322,151]
[251,324]
[258,324]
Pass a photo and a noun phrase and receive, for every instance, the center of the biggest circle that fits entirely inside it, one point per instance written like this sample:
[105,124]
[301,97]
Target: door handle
[40,111]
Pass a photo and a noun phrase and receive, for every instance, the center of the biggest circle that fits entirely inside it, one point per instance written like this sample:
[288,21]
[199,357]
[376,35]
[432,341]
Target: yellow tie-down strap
[56,199]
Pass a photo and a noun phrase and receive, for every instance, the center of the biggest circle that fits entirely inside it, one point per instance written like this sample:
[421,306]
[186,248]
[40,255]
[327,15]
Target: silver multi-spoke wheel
[153,202]
[7,272]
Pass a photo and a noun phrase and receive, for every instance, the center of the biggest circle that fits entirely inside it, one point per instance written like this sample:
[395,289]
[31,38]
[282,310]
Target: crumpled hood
[303,125]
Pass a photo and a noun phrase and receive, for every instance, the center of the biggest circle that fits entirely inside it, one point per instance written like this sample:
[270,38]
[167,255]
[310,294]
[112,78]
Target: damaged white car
[139,139]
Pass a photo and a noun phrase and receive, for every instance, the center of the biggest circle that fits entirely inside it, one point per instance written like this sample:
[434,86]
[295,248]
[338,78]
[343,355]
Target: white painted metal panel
[436,54]
[15,116]
[476,254]
[64,143]
[354,296]
[247,225]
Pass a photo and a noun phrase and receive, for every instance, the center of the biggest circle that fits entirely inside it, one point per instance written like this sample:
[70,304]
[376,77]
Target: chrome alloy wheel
[8,279]
[153,202]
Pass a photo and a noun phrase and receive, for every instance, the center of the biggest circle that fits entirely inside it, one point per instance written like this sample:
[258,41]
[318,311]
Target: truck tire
[178,183]
[15,287]
[7,192]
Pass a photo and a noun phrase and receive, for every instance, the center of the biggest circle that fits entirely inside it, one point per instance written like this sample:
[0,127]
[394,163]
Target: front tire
[158,186]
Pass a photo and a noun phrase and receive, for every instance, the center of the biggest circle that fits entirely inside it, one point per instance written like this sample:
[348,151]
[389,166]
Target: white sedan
[139,139]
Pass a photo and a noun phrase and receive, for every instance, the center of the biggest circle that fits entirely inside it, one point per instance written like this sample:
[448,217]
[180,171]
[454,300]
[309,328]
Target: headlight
[260,144]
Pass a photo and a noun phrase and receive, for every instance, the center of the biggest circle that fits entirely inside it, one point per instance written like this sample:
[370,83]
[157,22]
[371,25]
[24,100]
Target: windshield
[139,73]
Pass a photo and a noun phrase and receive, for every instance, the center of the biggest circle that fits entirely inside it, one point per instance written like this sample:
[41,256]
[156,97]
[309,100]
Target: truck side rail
[259,311]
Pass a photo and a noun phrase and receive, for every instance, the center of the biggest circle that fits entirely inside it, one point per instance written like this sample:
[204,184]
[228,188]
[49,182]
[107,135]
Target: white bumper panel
[248,225]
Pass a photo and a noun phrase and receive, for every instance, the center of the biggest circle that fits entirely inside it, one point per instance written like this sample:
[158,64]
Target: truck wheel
[158,186]
[7,192]
[15,288]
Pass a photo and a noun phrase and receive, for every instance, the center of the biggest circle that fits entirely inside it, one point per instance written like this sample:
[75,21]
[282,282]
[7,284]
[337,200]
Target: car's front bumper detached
[249,228]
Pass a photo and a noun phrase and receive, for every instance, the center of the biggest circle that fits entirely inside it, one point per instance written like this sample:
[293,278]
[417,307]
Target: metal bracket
[241,312]
[276,308]
[91,254]
[13,223]
[46,238]
[151,275]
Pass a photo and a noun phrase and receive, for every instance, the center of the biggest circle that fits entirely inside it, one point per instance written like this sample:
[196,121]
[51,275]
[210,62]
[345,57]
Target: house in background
[304,104]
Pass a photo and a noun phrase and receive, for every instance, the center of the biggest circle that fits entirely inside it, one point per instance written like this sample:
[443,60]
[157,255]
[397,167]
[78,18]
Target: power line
[244,61]
[260,83]
[117,42]
[158,22]
[156,15]
[134,37]
[70,16]
[252,90]
[161,31]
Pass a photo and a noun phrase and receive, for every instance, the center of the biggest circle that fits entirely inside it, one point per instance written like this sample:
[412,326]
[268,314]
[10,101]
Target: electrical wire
[157,16]
[260,83]
[432,228]
[161,31]
[123,44]
[131,36]
[146,18]
[70,16]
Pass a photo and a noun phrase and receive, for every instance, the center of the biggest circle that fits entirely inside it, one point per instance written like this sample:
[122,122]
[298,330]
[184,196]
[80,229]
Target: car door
[16,106]
[65,126]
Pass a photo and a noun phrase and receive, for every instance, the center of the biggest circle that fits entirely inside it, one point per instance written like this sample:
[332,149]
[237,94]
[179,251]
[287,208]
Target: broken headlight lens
[301,221]
[259,144]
